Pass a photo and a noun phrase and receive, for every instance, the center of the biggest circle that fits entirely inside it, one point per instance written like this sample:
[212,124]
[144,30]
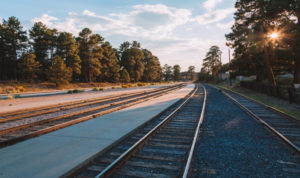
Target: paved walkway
[54,154]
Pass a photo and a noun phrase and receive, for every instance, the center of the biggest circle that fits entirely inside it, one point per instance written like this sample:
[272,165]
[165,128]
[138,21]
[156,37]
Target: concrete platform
[54,154]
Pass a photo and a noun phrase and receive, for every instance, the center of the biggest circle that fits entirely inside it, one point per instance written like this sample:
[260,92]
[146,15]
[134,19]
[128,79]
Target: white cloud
[225,26]
[210,4]
[214,16]
[46,19]
[173,34]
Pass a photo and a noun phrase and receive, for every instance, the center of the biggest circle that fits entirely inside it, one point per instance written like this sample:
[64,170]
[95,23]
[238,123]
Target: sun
[274,35]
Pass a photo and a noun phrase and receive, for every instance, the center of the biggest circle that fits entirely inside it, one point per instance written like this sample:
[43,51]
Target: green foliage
[90,54]
[54,55]
[176,72]
[67,49]
[59,73]
[212,62]
[257,54]
[167,72]
[132,61]
[191,72]
[110,64]
[153,70]
[30,68]
[13,41]
[125,76]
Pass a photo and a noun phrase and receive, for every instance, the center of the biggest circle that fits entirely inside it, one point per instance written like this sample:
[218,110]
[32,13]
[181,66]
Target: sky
[176,31]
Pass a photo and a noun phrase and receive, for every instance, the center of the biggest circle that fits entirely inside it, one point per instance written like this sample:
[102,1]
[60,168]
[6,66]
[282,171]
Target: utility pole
[229,76]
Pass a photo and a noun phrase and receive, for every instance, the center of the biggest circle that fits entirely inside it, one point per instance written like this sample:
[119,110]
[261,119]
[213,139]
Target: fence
[287,93]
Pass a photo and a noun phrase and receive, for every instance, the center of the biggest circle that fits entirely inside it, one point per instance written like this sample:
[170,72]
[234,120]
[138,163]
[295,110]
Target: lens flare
[274,35]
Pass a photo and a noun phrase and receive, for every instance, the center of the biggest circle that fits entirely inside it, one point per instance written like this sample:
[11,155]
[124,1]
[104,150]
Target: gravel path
[232,144]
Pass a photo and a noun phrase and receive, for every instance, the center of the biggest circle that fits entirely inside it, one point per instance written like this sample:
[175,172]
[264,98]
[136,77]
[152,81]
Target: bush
[70,91]
[124,86]
[95,89]
[101,89]
[140,84]
[21,89]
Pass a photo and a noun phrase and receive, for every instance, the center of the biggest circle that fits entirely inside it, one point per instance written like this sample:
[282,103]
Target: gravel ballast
[233,144]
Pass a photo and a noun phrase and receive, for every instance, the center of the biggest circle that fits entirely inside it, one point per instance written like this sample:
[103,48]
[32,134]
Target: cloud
[225,26]
[173,34]
[210,4]
[214,16]
[46,19]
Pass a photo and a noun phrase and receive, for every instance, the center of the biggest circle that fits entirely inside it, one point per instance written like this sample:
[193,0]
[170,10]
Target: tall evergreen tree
[132,61]
[59,73]
[13,41]
[167,72]
[29,67]
[212,62]
[90,53]
[67,49]
[125,78]
[41,42]
[191,72]
[153,70]
[110,64]
[176,72]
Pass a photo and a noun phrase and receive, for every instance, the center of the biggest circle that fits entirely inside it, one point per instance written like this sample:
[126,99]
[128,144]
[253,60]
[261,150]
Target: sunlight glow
[274,35]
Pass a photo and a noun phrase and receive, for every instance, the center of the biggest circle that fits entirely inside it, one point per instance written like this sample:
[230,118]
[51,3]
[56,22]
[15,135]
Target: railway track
[25,113]
[96,108]
[281,124]
[163,147]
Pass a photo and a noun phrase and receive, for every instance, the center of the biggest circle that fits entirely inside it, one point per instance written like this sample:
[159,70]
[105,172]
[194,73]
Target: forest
[45,54]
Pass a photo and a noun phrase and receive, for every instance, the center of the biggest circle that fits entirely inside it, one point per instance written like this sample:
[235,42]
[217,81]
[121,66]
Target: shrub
[101,89]
[70,91]
[95,89]
[140,84]
[21,89]
[124,86]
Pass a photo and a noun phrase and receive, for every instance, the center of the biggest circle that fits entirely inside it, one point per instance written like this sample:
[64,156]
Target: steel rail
[265,105]
[290,143]
[189,161]
[81,119]
[123,157]
[10,116]
[147,95]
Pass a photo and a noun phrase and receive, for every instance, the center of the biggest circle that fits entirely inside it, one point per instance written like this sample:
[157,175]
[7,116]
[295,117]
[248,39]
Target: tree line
[266,39]
[43,54]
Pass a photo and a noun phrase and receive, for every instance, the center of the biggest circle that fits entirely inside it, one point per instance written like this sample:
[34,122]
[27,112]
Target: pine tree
[67,49]
[153,70]
[176,72]
[30,68]
[59,73]
[125,78]
[110,64]
[167,72]
[13,41]
[39,35]
[131,60]
[90,51]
